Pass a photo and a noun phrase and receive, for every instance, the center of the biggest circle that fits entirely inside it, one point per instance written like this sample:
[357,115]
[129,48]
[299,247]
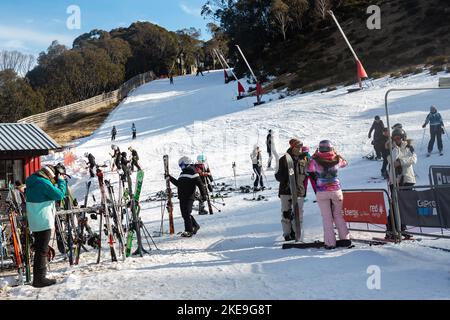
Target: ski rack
[95,209]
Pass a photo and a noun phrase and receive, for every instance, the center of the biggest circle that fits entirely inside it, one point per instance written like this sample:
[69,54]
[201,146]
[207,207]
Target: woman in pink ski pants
[325,163]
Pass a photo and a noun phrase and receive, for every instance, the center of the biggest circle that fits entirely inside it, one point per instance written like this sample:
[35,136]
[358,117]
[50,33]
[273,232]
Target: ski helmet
[86,154]
[60,168]
[113,146]
[130,148]
[124,154]
[433,109]
[397,125]
[201,158]
[325,146]
[184,162]
[399,132]
[377,118]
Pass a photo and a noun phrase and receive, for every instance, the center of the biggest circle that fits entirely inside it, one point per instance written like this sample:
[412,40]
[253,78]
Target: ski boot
[186,234]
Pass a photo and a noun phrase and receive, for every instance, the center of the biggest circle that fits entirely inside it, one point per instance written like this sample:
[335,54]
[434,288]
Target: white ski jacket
[407,157]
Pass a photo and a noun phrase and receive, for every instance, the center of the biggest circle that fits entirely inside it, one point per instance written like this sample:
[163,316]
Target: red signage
[366,207]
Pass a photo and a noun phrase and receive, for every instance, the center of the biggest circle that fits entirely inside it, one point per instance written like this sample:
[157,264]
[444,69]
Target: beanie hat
[295,142]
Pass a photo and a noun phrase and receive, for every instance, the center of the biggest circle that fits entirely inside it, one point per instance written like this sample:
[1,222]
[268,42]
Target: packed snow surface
[237,252]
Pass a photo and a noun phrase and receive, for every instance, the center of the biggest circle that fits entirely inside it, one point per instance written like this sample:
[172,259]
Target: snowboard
[295,206]
[317,245]
[139,181]
[169,195]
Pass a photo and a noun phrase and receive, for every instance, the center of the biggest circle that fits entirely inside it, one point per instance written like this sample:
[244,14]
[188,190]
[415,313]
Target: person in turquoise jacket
[43,188]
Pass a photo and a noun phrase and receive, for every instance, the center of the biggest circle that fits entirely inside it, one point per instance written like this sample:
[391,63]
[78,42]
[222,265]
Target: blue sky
[30,26]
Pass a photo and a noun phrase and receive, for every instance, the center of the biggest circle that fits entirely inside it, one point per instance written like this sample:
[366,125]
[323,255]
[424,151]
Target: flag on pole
[259,90]
[362,74]
[240,88]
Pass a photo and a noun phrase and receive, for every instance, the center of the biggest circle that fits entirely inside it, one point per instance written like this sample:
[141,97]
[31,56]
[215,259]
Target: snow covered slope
[237,252]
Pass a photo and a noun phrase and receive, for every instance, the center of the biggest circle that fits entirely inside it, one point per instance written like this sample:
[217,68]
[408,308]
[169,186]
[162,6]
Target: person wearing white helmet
[187,183]
[404,159]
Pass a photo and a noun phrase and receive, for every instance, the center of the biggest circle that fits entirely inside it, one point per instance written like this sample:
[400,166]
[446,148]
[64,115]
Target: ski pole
[423,138]
[446,132]
[1,243]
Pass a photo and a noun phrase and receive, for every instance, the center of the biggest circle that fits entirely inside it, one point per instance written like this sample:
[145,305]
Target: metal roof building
[25,138]
[21,148]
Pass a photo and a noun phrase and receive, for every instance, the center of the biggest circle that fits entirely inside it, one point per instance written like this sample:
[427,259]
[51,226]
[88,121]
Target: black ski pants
[186,210]
[134,135]
[134,163]
[435,132]
[41,241]
[259,177]
[91,170]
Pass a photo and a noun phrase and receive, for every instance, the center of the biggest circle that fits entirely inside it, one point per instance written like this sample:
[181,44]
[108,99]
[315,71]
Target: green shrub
[437,61]
[435,70]
[377,75]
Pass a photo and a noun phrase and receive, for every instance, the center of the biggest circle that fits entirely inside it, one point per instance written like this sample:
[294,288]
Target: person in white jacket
[404,158]
[257,168]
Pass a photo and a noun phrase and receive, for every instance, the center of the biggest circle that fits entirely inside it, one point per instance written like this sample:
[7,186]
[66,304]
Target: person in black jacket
[269,148]
[187,183]
[300,162]
[91,163]
[377,142]
[113,133]
[134,159]
[385,153]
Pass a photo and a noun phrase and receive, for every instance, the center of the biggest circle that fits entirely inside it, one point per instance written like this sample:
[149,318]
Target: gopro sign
[426,208]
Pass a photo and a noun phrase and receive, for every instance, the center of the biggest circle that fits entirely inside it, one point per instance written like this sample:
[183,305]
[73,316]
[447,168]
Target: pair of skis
[169,203]
[135,226]
[22,255]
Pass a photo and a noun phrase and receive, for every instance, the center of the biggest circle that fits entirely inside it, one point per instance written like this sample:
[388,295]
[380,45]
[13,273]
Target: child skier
[202,168]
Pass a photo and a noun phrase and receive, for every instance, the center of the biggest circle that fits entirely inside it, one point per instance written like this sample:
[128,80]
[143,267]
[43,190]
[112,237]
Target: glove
[50,254]
[424,126]
[369,136]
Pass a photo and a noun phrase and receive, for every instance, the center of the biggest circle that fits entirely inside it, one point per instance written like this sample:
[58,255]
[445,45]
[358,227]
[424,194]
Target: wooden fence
[61,114]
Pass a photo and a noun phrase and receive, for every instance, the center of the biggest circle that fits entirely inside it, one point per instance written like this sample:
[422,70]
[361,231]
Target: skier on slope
[134,159]
[287,212]
[113,133]
[187,183]
[377,127]
[404,158]
[202,168]
[257,168]
[133,131]
[269,148]
[43,188]
[91,163]
[325,163]
[434,118]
